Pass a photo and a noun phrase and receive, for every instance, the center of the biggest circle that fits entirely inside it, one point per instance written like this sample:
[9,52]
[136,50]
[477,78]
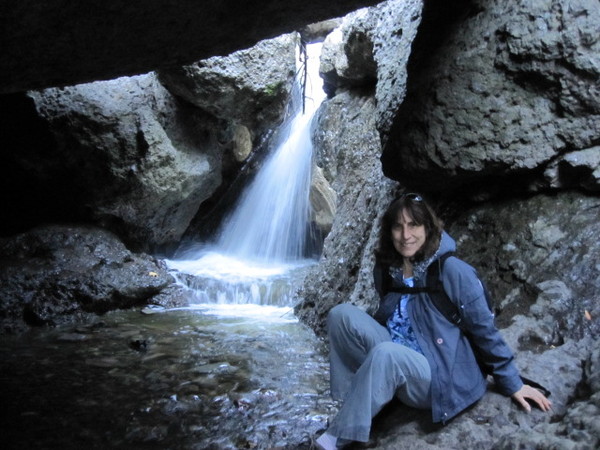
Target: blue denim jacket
[457,381]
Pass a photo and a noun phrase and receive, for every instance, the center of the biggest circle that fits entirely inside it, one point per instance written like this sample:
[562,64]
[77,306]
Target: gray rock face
[249,87]
[510,89]
[371,49]
[576,169]
[60,274]
[135,159]
[347,148]
[545,248]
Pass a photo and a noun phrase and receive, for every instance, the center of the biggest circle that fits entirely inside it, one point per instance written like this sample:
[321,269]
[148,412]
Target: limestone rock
[249,87]
[347,148]
[242,143]
[371,48]
[323,201]
[542,249]
[58,274]
[135,159]
[347,57]
[514,88]
[576,169]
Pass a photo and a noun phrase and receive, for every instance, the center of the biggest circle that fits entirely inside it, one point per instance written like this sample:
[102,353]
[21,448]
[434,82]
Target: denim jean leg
[352,335]
[390,369]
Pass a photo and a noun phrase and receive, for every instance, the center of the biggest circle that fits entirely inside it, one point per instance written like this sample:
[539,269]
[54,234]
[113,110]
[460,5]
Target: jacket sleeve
[466,291]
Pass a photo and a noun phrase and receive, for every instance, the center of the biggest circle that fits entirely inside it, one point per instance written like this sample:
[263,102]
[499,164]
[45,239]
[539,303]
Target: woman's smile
[407,236]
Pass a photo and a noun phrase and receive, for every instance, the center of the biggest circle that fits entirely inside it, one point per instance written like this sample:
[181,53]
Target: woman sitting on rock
[409,349]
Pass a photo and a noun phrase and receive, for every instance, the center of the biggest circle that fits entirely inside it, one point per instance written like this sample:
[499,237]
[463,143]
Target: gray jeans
[367,369]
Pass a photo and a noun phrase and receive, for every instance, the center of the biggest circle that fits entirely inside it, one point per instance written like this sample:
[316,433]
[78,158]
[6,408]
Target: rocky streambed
[186,379]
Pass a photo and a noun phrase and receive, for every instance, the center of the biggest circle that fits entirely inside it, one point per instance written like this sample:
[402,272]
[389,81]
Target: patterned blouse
[399,325]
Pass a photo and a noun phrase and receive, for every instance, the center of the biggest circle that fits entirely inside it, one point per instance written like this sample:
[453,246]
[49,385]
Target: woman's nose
[405,234]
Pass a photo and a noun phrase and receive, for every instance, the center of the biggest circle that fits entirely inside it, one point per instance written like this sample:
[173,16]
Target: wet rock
[59,274]
[72,337]
[153,309]
[139,345]
[553,238]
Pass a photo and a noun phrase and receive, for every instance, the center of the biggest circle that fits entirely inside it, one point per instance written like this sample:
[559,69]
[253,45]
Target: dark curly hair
[422,214]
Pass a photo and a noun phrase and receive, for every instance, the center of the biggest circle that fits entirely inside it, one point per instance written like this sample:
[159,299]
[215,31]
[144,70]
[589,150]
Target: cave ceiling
[63,42]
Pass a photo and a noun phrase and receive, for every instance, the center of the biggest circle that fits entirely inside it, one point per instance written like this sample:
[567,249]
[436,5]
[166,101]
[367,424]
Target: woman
[409,349]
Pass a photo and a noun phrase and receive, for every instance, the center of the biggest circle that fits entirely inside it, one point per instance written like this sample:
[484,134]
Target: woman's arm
[465,290]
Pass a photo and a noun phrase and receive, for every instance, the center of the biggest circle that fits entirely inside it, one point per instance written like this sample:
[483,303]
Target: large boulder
[61,274]
[499,97]
[125,154]
[249,88]
[370,47]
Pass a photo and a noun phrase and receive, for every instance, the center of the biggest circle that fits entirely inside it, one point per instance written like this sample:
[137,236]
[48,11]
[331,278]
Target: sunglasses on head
[413,197]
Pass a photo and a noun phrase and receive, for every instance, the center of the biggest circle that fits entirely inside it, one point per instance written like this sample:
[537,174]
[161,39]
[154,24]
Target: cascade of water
[270,222]
[264,238]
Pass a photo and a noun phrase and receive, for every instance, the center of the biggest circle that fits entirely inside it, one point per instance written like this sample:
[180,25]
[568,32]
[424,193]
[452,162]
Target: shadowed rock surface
[62,274]
[64,43]
[501,100]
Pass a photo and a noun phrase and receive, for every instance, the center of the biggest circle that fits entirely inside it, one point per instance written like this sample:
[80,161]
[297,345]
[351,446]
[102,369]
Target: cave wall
[507,99]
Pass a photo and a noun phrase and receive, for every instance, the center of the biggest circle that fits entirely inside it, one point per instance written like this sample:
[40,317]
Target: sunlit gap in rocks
[259,255]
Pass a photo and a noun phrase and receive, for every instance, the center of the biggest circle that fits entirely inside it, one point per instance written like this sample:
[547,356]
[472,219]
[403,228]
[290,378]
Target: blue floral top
[399,324]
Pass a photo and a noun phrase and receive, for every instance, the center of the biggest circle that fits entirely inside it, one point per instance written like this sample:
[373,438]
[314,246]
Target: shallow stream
[228,376]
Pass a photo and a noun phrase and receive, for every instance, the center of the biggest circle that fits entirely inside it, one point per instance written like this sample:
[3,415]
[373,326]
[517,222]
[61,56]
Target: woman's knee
[340,313]
[410,362]
[392,352]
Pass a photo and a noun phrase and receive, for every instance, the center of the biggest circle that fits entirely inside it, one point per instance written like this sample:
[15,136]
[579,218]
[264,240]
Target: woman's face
[407,236]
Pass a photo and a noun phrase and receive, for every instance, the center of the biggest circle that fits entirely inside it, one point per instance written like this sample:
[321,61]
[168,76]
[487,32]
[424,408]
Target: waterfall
[262,242]
[270,222]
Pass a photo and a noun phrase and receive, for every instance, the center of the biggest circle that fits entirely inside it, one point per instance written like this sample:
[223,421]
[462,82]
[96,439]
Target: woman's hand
[529,393]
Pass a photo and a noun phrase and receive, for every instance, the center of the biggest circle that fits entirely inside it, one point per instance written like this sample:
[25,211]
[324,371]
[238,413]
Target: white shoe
[326,442]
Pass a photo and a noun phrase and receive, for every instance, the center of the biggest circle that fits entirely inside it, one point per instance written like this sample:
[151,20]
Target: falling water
[261,245]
